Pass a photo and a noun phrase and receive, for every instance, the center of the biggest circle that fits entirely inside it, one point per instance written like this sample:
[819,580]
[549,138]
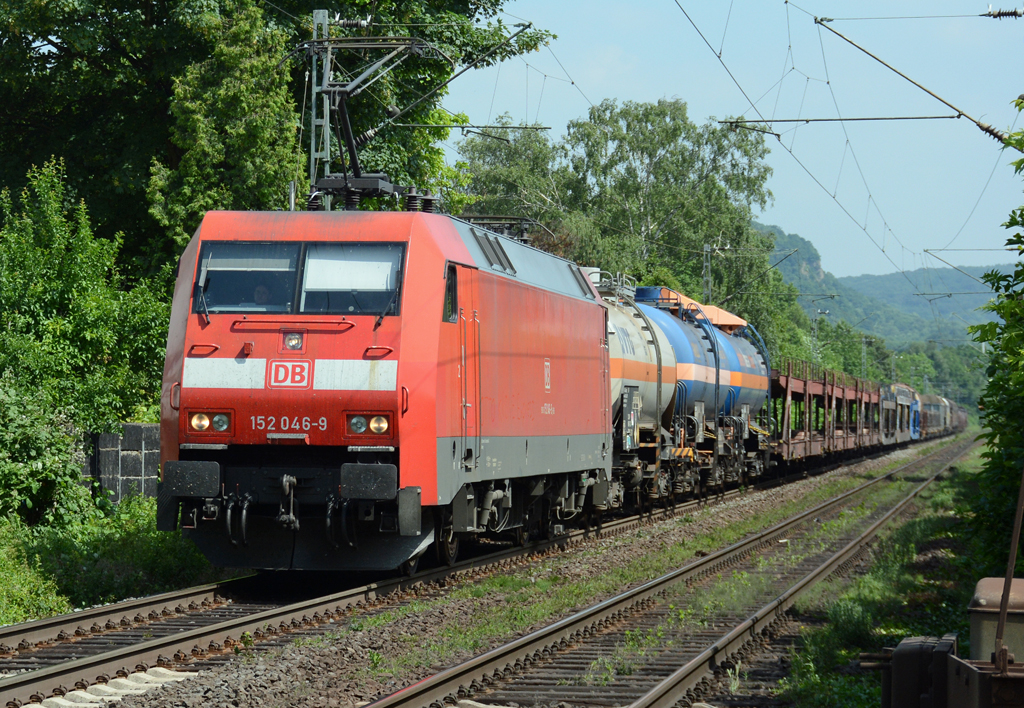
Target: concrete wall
[128,463]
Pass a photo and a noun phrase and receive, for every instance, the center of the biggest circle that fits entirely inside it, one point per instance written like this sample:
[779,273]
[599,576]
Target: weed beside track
[381,650]
[917,582]
[93,559]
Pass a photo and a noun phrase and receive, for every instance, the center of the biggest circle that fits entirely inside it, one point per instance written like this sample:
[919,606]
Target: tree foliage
[660,184]
[1003,399]
[94,82]
[78,351]
[71,332]
[235,127]
[39,452]
[90,81]
[638,188]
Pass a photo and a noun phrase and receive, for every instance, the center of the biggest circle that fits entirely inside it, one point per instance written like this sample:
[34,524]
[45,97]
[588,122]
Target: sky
[871,196]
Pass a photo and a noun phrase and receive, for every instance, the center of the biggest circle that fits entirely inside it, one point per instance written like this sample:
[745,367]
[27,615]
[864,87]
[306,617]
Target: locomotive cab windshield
[246,277]
[299,278]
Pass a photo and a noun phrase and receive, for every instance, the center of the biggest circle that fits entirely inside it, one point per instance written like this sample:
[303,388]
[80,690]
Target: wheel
[409,567]
[446,542]
[520,536]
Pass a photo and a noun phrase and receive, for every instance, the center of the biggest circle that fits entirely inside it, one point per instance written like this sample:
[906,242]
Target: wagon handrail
[705,324]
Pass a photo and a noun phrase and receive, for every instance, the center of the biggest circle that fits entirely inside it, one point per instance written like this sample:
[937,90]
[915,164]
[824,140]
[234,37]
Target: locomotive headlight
[379,424]
[357,424]
[200,421]
[293,340]
[221,422]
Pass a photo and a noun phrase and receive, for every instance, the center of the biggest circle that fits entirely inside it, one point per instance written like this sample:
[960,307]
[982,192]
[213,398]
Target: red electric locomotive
[344,388]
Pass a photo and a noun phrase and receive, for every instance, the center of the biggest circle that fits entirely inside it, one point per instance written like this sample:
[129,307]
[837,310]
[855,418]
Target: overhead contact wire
[571,81]
[984,127]
[726,30]
[983,189]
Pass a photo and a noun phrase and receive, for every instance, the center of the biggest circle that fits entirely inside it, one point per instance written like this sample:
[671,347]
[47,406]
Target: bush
[79,350]
[851,623]
[109,558]
[993,506]
[26,592]
[71,330]
[39,455]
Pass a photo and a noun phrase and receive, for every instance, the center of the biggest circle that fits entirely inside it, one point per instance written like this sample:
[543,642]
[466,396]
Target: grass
[920,582]
[690,610]
[49,570]
[26,590]
[503,606]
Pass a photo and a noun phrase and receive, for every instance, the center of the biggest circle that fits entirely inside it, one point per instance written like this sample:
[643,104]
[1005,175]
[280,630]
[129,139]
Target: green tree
[40,452]
[517,171]
[71,333]
[78,351]
[662,186]
[92,81]
[1003,398]
[959,373]
[640,189]
[234,124]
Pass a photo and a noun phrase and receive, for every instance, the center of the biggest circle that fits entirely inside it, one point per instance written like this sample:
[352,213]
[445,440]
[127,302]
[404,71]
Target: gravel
[365,656]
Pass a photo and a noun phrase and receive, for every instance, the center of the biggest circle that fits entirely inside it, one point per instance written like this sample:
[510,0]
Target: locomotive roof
[524,263]
[487,250]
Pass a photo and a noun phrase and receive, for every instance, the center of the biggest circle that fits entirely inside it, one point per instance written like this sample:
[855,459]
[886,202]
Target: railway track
[171,608]
[200,624]
[645,647]
[40,658]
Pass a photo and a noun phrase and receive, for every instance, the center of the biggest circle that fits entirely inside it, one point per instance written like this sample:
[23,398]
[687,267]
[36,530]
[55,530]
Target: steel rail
[160,651]
[26,634]
[163,650]
[445,685]
[111,617]
[97,620]
[686,681]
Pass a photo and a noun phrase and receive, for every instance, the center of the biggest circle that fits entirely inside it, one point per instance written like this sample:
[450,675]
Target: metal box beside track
[984,613]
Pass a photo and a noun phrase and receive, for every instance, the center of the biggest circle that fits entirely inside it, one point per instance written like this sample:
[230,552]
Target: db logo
[289,374]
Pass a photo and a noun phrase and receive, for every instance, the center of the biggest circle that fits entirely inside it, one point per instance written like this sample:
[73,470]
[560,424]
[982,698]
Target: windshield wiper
[202,303]
[201,285]
[394,296]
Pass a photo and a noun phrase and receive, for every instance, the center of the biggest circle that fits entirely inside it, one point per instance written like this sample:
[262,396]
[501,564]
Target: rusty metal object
[1002,657]
[823,411]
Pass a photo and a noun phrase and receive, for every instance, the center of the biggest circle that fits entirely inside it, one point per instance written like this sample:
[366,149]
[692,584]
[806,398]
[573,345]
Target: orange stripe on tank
[633,370]
[699,372]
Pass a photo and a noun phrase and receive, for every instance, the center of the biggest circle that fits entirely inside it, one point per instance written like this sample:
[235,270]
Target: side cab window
[451,296]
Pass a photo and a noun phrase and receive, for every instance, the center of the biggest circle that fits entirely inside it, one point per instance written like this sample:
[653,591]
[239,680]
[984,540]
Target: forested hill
[883,304]
[936,283]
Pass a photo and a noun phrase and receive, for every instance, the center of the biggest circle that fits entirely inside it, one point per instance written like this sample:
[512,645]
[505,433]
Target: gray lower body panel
[503,458]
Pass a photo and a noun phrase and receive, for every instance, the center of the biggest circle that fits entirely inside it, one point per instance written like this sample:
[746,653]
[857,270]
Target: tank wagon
[350,389]
[687,386]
